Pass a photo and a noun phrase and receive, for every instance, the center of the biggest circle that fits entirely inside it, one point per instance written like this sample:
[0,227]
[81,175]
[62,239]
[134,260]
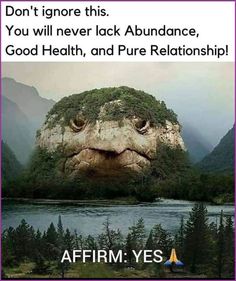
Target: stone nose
[111,137]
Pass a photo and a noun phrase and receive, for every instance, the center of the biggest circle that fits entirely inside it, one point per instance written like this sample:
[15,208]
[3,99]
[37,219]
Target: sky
[202,94]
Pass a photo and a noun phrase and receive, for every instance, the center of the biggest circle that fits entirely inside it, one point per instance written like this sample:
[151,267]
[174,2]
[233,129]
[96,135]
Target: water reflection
[89,219]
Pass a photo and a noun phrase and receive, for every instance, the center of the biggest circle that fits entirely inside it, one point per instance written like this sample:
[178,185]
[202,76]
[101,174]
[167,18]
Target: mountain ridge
[16,130]
[35,109]
[11,167]
[221,159]
[28,100]
[23,112]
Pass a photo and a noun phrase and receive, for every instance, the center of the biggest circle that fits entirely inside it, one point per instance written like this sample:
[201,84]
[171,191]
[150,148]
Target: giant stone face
[108,132]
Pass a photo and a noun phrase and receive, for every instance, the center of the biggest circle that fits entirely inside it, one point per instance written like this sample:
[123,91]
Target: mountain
[34,109]
[28,100]
[17,130]
[197,146]
[23,111]
[221,159]
[10,165]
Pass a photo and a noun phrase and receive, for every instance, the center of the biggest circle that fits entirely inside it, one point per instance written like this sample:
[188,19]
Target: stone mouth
[107,163]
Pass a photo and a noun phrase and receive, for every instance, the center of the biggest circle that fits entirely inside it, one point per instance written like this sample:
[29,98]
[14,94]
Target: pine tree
[51,235]
[162,240]
[38,246]
[9,247]
[76,240]
[24,241]
[129,247]
[62,266]
[91,243]
[60,230]
[196,243]
[51,244]
[150,242]
[229,247]
[137,232]
[179,239]
[69,241]
[220,246]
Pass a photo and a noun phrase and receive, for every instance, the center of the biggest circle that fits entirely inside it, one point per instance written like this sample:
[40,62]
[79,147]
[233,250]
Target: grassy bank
[96,270]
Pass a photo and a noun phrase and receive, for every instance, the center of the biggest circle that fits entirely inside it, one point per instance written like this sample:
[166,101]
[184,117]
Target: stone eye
[141,125]
[77,124]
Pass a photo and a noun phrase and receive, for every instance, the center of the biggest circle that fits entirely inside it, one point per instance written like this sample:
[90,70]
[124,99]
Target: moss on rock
[132,102]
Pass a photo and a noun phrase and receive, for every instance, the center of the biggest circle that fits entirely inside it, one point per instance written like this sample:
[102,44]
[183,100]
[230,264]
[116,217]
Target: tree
[91,243]
[135,240]
[51,242]
[24,240]
[8,247]
[110,239]
[51,235]
[179,239]
[60,230]
[220,246]
[137,234]
[229,247]
[150,242]
[129,248]
[162,240]
[62,266]
[196,242]
[69,241]
[40,265]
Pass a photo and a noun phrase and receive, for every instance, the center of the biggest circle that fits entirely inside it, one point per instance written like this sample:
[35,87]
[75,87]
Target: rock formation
[108,132]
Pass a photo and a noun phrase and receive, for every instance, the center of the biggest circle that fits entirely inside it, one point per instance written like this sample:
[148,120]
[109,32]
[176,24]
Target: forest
[171,176]
[171,173]
[206,249]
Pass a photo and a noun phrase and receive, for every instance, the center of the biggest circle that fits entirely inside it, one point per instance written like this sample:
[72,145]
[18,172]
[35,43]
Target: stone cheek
[170,135]
[110,136]
[50,138]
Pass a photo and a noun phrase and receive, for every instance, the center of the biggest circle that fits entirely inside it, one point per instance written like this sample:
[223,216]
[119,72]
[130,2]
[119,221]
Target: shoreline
[96,202]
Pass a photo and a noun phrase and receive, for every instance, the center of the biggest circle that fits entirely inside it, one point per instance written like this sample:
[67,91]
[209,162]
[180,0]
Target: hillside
[28,100]
[17,130]
[222,157]
[197,146]
[10,165]
[23,111]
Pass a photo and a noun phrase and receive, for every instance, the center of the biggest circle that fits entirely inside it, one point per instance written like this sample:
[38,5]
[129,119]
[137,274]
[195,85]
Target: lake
[87,219]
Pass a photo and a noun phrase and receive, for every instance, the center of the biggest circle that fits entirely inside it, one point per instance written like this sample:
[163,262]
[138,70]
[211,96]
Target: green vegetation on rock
[133,103]
[43,179]
[170,176]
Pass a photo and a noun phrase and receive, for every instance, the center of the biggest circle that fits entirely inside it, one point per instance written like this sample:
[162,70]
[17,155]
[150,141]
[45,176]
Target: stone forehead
[104,109]
[110,104]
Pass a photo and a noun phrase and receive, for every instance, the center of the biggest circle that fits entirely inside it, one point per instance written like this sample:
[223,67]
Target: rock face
[106,145]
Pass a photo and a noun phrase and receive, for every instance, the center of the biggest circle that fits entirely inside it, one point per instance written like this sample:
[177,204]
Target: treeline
[43,179]
[198,186]
[170,176]
[204,248]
